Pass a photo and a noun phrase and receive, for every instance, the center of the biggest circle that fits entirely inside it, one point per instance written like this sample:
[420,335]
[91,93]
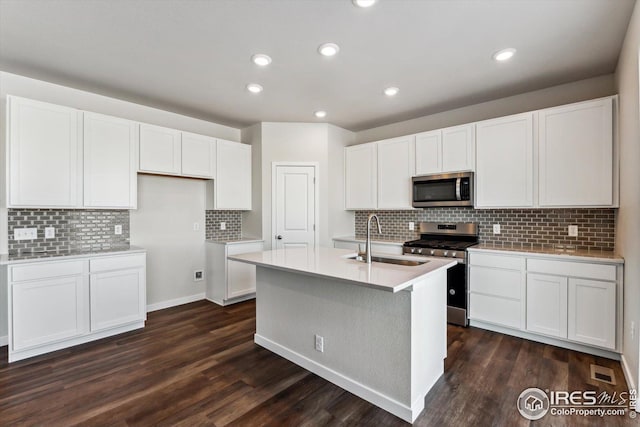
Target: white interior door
[294,207]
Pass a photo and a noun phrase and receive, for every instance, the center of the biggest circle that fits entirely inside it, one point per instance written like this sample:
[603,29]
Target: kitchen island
[377,330]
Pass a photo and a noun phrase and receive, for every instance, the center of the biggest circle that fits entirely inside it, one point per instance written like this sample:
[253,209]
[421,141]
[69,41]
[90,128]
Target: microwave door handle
[458,181]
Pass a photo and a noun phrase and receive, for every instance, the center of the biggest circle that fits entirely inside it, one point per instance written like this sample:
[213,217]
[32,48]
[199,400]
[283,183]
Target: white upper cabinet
[445,150]
[429,152]
[160,150]
[504,162]
[233,176]
[458,148]
[198,155]
[44,154]
[576,163]
[361,173]
[396,166]
[110,161]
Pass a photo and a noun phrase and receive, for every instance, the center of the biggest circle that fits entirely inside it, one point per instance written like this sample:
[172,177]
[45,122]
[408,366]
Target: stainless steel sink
[385,260]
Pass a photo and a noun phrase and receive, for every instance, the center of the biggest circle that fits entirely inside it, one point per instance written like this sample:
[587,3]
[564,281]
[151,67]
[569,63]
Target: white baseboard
[398,409]
[609,354]
[631,383]
[174,302]
[4,340]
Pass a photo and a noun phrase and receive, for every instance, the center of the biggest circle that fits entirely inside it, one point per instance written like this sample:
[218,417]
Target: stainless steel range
[448,241]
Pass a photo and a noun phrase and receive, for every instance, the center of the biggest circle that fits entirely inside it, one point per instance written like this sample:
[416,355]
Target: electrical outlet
[117,229]
[412,226]
[632,330]
[319,343]
[198,275]
[196,226]
[573,231]
[25,233]
[49,232]
[223,226]
[496,228]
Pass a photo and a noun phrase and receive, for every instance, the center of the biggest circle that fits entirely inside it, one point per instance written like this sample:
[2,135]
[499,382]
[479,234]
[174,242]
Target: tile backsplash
[233,223]
[530,227]
[75,229]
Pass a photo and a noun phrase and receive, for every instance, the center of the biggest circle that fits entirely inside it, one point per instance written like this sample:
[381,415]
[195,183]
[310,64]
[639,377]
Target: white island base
[385,347]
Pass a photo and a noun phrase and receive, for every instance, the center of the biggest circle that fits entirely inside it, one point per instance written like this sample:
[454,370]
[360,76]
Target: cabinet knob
[279,237]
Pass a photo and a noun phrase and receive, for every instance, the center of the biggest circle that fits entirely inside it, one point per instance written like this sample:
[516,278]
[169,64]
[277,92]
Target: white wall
[163,224]
[307,142]
[550,97]
[628,220]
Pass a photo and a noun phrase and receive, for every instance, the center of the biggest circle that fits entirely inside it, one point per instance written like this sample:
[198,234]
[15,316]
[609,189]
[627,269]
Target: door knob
[279,237]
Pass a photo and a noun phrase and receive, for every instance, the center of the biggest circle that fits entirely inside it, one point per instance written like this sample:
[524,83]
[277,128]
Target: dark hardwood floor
[197,365]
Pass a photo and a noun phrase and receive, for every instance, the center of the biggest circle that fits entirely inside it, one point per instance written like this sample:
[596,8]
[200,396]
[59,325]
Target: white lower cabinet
[586,298]
[58,304]
[230,281]
[49,310]
[575,302]
[496,286]
[117,292]
[547,305]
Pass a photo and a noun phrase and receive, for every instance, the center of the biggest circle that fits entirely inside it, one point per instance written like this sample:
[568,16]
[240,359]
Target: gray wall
[628,231]
[163,224]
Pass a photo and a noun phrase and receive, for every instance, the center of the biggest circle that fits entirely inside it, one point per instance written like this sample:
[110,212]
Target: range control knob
[432,252]
[419,251]
[452,291]
[445,253]
[413,250]
[453,254]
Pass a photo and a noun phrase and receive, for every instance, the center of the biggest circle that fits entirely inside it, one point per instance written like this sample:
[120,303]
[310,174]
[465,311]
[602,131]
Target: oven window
[442,190]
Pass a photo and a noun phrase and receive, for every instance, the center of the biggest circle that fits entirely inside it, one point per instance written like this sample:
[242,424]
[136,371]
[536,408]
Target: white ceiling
[193,56]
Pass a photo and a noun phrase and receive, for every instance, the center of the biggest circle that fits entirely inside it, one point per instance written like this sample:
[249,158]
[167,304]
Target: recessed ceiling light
[320,114]
[391,91]
[364,3]
[504,54]
[328,49]
[254,88]
[261,59]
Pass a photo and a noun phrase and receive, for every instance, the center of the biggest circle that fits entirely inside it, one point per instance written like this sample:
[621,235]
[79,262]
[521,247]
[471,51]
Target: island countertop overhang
[335,264]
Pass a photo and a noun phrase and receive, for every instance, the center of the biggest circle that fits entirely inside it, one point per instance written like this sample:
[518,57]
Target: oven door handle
[458,182]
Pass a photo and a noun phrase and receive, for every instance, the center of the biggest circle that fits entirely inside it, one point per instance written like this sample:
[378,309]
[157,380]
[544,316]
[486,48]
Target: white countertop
[29,257]
[578,255]
[333,264]
[377,242]
[235,241]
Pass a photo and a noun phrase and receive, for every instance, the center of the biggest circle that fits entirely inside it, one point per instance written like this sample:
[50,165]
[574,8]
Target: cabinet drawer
[244,248]
[497,261]
[116,262]
[499,311]
[46,269]
[501,283]
[572,269]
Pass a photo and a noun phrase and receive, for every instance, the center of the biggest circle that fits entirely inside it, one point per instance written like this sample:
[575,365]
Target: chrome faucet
[368,242]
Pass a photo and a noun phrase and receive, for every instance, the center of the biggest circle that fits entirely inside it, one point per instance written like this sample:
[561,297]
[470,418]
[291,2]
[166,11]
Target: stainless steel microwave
[450,189]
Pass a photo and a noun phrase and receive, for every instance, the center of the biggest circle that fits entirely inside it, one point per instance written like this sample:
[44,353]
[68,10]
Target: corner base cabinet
[55,304]
[230,281]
